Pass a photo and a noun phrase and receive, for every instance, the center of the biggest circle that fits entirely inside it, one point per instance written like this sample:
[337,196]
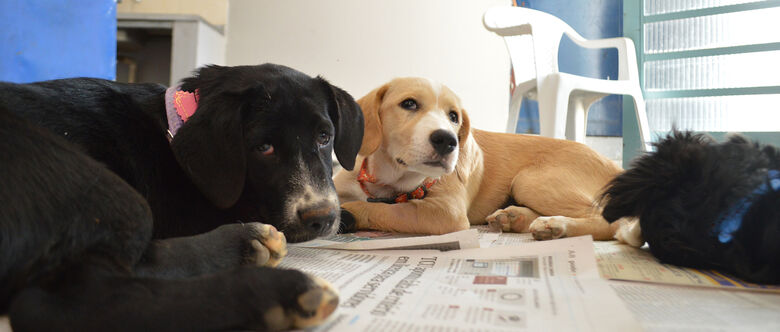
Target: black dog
[90,174]
[705,204]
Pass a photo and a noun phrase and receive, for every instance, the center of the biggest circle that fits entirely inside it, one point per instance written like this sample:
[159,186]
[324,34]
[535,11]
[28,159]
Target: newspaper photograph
[542,286]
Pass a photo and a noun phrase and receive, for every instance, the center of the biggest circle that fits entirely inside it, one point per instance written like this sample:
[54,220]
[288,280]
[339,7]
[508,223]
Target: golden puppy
[424,170]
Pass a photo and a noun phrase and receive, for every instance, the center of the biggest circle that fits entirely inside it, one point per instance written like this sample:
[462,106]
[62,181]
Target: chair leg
[514,112]
[642,123]
[553,108]
[577,119]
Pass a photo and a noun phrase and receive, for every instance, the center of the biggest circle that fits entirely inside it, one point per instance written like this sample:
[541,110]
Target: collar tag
[732,219]
[179,107]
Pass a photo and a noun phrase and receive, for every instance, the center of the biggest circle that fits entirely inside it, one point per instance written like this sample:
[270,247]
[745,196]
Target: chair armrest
[627,64]
[494,20]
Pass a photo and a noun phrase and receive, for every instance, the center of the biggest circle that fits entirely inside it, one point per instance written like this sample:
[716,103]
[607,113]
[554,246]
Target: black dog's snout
[443,141]
[319,218]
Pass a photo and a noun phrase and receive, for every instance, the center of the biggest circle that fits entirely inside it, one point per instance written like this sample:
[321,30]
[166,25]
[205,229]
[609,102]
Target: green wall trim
[760,90]
[708,11]
[632,28]
[713,51]
[772,138]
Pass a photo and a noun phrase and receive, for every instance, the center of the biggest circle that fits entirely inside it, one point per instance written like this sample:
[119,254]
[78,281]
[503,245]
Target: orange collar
[418,193]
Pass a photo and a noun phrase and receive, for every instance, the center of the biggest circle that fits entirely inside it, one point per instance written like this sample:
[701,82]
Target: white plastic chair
[563,98]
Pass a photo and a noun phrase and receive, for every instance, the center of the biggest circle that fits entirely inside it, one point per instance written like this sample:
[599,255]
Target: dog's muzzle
[443,142]
[319,218]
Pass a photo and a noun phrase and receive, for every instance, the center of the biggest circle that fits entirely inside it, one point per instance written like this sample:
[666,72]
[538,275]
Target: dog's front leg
[223,248]
[431,215]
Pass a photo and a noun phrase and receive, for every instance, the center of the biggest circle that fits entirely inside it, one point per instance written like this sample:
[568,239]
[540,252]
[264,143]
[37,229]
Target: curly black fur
[681,192]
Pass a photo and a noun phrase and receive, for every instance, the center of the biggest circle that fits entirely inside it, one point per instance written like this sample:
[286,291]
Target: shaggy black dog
[705,204]
[90,173]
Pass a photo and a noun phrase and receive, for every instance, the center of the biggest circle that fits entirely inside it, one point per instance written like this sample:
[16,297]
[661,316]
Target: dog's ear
[210,145]
[347,118]
[465,127]
[372,135]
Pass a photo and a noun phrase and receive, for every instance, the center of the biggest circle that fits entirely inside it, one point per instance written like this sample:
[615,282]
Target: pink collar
[179,106]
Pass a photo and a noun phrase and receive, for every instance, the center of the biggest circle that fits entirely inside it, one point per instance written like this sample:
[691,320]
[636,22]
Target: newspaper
[543,286]
[373,240]
[623,262]
[682,308]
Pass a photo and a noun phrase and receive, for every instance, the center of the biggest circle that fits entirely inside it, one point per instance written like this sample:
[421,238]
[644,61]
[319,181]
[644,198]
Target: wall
[358,45]
[213,11]
[43,40]
[195,44]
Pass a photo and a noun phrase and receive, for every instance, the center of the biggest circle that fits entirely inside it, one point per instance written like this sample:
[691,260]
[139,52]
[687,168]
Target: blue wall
[594,19]
[48,39]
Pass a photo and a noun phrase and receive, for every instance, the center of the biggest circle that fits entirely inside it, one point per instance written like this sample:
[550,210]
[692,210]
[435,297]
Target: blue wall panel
[49,39]
[593,20]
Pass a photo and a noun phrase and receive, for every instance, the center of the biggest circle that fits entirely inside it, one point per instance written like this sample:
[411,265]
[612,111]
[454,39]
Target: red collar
[418,193]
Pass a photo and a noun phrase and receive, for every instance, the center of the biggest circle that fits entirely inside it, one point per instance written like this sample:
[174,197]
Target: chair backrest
[517,24]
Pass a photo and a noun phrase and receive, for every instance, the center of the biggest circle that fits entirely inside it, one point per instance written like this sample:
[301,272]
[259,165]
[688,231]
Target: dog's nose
[318,218]
[443,141]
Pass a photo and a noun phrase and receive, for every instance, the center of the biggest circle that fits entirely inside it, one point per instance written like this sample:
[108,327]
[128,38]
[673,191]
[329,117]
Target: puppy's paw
[548,228]
[317,301]
[317,304]
[512,219]
[267,245]
[629,232]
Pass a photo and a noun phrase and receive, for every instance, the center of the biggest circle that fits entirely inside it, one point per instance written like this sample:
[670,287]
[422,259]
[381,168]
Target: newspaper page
[681,308]
[489,238]
[542,286]
[374,240]
[623,262]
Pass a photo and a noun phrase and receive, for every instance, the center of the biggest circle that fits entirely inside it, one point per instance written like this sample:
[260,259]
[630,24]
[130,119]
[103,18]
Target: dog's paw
[548,228]
[348,222]
[630,233]
[311,307]
[512,219]
[316,304]
[267,245]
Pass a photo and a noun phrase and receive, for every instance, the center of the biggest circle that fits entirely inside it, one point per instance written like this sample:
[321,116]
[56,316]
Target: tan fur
[554,180]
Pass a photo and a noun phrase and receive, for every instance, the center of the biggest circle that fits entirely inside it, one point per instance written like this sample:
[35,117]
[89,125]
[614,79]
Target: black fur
[88,179]
[211,174]
[681,192]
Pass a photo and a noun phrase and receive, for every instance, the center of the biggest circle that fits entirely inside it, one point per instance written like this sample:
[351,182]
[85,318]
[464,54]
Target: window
[708,65]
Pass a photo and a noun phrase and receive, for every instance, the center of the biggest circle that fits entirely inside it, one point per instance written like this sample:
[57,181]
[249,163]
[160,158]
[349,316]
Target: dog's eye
[409,104]
[265,149]
[454,117]
[323,139]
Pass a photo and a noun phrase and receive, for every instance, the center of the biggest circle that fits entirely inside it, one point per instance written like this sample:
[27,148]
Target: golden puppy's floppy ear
[372,133]
[465,127]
